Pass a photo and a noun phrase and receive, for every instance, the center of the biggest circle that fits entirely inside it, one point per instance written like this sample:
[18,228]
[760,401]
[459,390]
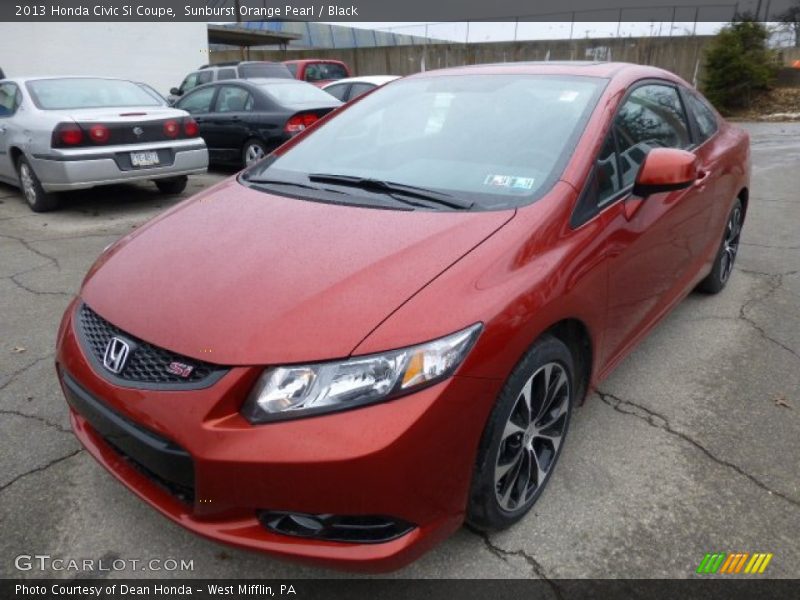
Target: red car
[381,330]
[318,71]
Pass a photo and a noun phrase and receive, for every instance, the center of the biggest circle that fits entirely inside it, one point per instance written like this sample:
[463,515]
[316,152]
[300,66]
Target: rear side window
[703,116]
[651,117]
[198,102]
[338,91]
[359,89]
[226,74]
[232,98]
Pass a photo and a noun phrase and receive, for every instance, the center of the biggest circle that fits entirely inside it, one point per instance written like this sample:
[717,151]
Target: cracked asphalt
[691,446]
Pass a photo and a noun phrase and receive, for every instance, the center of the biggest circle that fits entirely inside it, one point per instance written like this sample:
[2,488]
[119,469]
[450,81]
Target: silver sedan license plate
[144,159]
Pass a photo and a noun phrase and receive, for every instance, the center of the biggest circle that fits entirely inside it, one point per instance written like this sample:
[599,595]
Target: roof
[606,70]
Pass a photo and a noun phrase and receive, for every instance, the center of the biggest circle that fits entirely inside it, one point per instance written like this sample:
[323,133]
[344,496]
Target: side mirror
[175,92]
[665,170]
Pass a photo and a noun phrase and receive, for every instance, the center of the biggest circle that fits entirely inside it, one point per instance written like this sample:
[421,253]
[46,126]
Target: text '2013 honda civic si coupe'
[381,330]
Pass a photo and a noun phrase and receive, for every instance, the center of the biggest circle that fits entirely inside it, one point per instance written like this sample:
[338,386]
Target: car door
[232,120]
[198,104]
[652,245]
[10,99]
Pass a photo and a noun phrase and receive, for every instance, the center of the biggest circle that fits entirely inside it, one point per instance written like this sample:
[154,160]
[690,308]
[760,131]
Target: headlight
[304,390]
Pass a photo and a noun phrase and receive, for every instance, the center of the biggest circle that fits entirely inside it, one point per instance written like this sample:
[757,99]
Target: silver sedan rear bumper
[81,168]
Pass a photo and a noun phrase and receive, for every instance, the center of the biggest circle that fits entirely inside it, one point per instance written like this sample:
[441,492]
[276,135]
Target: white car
[70,133]
[353,87]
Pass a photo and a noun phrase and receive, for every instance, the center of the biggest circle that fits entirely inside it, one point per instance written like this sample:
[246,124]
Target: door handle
[702,176]
[2,129]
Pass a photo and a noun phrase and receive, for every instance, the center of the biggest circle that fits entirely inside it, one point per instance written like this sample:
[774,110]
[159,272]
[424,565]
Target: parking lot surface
[691,446]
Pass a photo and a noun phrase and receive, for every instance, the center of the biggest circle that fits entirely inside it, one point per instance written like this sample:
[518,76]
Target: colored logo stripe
[734,563]
[711,562]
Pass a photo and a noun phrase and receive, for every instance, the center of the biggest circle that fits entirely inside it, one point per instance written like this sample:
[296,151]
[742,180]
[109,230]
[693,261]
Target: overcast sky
[504,31]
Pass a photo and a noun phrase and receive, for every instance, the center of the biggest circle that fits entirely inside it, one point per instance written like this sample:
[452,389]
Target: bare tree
[791,18]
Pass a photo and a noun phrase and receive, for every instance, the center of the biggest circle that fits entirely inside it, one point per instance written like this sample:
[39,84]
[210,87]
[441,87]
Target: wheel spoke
[540,474]
[501,470]
[553,415]
[511,481]
[552,393]
[527,392]
[512,429]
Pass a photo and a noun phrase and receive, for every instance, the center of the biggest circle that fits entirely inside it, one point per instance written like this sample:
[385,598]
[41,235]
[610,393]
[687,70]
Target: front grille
[146,364]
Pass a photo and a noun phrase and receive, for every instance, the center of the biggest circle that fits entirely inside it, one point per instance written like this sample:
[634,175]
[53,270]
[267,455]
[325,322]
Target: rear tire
[38,200]
[173,185]
[721,271]
[523,437]
[253,151]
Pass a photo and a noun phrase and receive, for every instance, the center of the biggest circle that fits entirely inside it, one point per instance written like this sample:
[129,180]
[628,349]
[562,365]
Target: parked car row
[315,71]
[68,133]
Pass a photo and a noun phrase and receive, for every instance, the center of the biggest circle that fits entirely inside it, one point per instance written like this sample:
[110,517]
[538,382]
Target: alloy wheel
[532,436]
[28,185]
[730,245]
[253,153]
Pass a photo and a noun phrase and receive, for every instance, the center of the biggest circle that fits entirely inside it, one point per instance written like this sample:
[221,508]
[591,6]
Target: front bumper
[409,458]
[82,168]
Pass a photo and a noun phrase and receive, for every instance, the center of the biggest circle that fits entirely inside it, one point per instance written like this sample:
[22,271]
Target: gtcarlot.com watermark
[48,563]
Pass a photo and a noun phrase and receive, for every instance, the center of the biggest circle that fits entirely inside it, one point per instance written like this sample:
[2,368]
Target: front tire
[523,437]
[721,271]
[172,185]
[38,199]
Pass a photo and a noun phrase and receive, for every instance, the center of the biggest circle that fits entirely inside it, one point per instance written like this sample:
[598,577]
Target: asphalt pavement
[691,446]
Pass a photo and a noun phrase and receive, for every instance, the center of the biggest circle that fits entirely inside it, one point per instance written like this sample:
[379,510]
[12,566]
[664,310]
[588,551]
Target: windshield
[60,94]
[293,92]
[495,140]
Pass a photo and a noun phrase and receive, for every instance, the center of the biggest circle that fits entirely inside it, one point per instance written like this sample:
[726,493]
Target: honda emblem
[116,355]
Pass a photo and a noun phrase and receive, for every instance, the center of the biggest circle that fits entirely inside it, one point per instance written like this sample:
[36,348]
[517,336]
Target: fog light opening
[356,529]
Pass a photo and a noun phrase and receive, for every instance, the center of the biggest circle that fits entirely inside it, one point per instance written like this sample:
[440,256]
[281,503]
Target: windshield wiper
[389,187]
[258,180]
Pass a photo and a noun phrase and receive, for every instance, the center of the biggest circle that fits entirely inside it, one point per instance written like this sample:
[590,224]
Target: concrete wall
[682,55]
[160,54]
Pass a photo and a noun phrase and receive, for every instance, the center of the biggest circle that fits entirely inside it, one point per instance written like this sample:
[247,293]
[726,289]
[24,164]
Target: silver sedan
[69,133]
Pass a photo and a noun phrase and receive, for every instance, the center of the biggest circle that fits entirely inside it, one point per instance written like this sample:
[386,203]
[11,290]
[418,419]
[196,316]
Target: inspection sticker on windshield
[509,181]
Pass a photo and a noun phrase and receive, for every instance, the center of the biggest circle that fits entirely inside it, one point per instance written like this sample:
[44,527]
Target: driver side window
[652,117]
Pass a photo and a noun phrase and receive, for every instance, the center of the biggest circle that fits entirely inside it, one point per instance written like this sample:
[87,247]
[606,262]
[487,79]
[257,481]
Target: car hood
[236,276]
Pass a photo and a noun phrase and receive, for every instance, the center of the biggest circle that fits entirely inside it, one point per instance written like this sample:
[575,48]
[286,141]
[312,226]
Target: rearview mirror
[665,170]
[175,92]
